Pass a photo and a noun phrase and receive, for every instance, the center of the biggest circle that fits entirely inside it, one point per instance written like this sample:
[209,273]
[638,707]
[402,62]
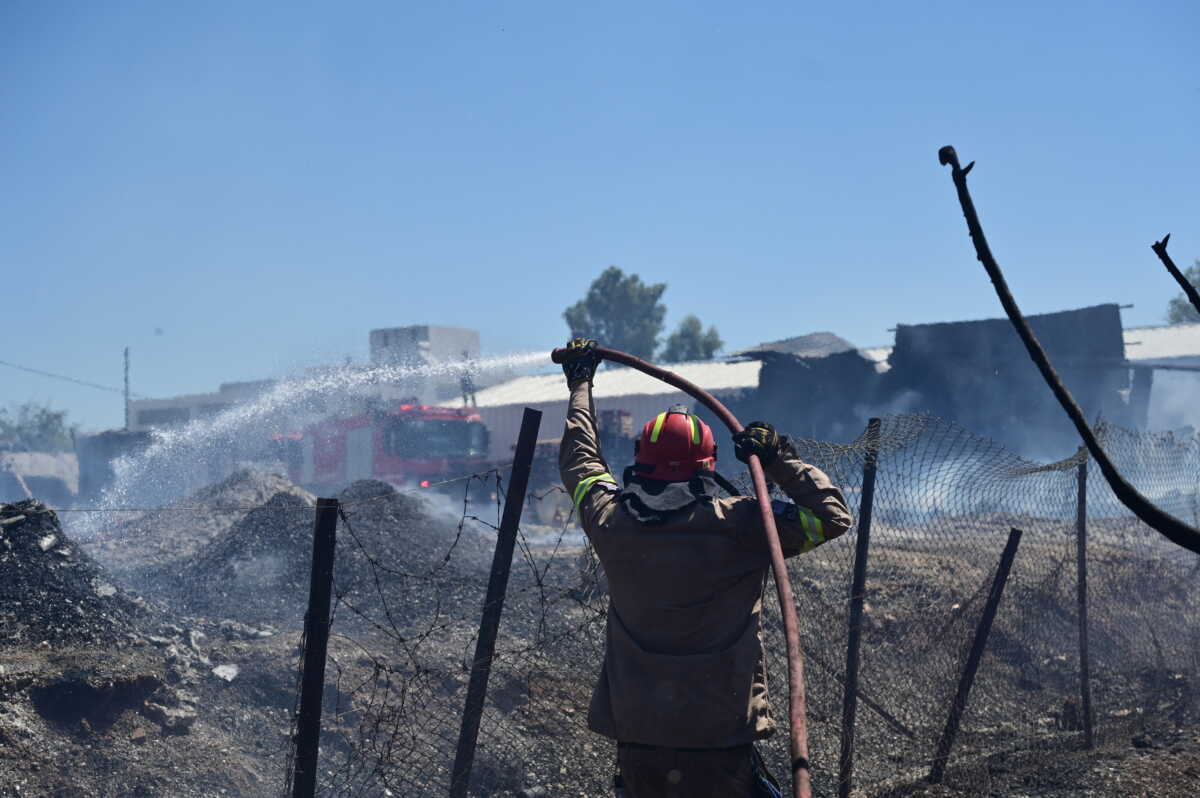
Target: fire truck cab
[409,446]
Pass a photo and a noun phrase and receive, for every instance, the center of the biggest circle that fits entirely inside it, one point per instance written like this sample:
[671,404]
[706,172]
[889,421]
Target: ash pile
[409,533]
[103,693]
[144,545]
[258,569]
[51,592]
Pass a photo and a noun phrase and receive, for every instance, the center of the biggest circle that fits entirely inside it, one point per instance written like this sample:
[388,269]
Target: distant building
[1164,367]
[96,453]
[146,414]
[820,386]
[1166,375]
[979,374]
[432,365]
[422,344]
[812,385]
[437,357]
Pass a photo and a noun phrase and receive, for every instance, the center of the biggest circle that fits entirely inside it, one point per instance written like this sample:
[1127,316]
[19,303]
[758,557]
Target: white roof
[1163,343]
[716,376]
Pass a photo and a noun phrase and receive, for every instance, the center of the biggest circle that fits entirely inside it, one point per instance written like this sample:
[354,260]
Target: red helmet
[674,446]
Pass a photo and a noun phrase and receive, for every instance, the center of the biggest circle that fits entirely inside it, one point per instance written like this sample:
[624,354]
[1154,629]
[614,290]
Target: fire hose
[798,724]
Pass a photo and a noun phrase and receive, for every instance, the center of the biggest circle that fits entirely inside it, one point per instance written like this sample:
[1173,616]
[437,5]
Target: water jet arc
[798,723]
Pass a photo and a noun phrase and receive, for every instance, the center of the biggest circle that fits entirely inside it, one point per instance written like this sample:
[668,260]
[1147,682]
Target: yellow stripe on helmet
[658,425]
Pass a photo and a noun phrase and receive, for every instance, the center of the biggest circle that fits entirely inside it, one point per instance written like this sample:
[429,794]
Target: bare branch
[1168,525]
[1160,249]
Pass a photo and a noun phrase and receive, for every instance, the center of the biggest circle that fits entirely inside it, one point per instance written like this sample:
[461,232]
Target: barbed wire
[944,500]
[214,508]
[410,582]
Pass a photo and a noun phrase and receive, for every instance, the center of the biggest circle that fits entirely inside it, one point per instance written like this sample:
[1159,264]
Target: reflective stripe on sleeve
[814,530]
[585,484]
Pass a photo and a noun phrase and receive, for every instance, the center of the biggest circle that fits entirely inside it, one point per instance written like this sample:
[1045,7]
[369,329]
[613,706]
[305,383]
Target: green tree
[621,312]
[31,427]
[691,341]
[1180,310]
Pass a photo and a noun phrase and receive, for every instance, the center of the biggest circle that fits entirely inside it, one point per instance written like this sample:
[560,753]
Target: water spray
[182,458]
[801,775]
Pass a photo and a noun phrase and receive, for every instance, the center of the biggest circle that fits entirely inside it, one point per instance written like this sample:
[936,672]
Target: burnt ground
[107,691]
[158,657]
[158,654]
[1162,760]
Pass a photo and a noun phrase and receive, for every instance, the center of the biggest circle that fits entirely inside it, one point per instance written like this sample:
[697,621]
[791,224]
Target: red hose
[801,777]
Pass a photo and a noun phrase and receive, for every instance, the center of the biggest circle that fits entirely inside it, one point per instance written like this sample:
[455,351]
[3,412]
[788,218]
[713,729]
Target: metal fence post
[857,598]
[316,643]
[493,604]
[938,771]
[1085,684]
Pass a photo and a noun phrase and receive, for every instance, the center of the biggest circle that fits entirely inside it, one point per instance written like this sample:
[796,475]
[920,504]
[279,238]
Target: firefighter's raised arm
[580,461]
[817,512]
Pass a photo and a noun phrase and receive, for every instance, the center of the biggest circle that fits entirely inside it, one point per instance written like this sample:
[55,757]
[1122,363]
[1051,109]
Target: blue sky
[265,182]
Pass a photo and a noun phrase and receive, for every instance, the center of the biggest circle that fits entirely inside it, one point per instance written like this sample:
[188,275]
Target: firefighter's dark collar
[653,501]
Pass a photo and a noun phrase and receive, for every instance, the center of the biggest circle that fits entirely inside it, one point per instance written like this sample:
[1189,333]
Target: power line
[65,378]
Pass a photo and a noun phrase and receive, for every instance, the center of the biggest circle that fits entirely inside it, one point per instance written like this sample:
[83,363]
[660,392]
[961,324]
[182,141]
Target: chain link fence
[410,587]
[224,577]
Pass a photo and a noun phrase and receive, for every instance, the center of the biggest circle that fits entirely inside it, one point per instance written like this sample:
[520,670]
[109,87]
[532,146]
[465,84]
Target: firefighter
[683,685]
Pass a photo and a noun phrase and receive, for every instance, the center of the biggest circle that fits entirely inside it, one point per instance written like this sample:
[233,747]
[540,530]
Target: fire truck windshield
[427,437]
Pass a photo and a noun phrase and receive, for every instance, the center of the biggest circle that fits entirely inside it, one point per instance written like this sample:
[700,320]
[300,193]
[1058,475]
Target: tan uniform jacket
[683,665]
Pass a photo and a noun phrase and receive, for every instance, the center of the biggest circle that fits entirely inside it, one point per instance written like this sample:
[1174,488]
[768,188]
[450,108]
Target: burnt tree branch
[1168,525]
[1160,249]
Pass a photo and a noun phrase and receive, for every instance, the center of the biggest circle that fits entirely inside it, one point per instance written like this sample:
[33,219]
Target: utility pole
[127,389]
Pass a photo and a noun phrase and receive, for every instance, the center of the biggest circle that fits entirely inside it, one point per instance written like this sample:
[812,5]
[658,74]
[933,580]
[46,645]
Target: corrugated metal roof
[717,376]
[1167,343]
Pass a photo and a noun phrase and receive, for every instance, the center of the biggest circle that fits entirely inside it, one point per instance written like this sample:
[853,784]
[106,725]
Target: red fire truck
[412,445]
[419,446]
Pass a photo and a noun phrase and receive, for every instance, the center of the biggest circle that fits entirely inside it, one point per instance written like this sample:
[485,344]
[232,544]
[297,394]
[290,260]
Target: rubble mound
[409,532]
[366,489]
[51,592]
[406,557]
[399,543]
[246,488]
[257,568]
[176,533]
[392,547]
